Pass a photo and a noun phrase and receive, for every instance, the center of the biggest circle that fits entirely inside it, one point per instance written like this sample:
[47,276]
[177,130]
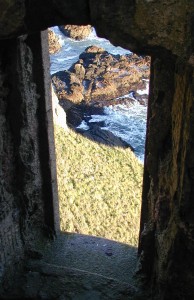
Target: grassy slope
[99,188]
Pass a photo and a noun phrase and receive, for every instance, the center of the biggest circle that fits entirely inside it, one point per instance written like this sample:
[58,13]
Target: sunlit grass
[99,188]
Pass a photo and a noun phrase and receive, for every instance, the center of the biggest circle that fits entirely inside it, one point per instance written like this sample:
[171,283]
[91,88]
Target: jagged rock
[127,101]
[68,87]
[106,137]
[76,32]
[100,76]
[93,49]
[79,70]
[54,44]
[77,113]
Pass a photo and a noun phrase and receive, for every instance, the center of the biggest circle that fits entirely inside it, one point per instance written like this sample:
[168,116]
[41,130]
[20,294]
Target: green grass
[99,188]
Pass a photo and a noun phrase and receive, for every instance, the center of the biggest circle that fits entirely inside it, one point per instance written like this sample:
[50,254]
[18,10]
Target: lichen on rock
[54,44]
[76,32]
[100,76]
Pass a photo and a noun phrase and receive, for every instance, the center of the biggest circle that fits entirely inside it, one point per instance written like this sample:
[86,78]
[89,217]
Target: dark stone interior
[29,218]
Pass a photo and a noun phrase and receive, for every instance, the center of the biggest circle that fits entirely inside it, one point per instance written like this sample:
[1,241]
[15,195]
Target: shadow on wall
[94,254]
[84,267]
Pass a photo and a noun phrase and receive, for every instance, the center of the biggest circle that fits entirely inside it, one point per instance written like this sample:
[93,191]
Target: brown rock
[79,70]
[101,76]
[68,87]
[76,32]
[94,49]
[54,44]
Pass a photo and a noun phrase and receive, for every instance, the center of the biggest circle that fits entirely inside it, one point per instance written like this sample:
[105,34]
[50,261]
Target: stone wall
[142,26]
[25,175]
[166,244]
[11,244]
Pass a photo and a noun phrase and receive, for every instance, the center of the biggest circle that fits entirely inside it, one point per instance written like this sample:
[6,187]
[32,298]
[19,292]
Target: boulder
[76,32]
[99,76]
[79,112]
[54,44]
[69,88]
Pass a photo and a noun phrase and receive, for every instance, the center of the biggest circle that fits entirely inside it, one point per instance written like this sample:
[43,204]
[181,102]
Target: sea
[126,122]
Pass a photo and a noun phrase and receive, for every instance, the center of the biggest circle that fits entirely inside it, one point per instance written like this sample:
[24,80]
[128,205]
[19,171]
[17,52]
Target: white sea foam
[126,123]
[130,95]
[71,49]
[83,126]
[145,91]
[59,34]
[63,59]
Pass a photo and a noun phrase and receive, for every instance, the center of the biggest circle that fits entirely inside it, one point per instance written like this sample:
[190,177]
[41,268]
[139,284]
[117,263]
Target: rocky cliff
[54,44]
[99,76]
[76,32]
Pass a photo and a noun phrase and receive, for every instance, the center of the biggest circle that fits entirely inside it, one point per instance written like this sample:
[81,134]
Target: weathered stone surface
[22,184]
[68,88]
[99,76]
[76,32]
[12,14]
[20,178]
[168,187]
[55,282]
[129,18]
[54,44]
[81,269]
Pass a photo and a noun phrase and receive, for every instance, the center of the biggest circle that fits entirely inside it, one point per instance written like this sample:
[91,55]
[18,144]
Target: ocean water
[127,122]
[71,50]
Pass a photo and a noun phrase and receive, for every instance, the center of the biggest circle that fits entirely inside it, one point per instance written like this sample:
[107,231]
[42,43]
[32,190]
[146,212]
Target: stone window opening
[75,216]
[78,251]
